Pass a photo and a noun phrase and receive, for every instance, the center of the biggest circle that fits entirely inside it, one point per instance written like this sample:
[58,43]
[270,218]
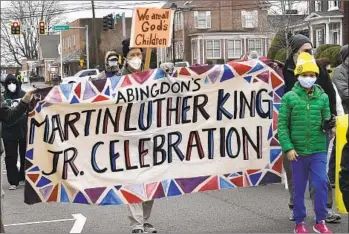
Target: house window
[249,19]
[178,21]
[334,33]
[255,44]
[213,49]
[333,5]
[320,34]
[318,5]
[202,19]
[74,40]
[234,48]
[194,49]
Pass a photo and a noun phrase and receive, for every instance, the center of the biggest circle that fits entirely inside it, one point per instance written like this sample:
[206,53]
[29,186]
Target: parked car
[81,76]
[182,64]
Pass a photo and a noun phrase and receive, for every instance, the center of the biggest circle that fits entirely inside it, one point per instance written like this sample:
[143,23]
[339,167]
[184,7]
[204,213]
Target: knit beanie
[306,63]
[126,47]
[297,41]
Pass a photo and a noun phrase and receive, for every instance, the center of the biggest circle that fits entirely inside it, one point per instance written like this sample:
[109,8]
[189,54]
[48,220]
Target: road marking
[79,224]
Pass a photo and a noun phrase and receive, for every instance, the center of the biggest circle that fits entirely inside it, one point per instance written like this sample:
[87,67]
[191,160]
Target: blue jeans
[316,166]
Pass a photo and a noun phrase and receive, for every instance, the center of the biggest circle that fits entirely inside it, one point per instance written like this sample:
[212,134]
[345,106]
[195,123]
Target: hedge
[321,49]
[281,55]
[278,43]
[332,53]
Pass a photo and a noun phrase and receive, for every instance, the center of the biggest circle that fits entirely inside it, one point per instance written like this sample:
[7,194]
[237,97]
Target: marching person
[300,43]
[139,212]
[8,116]
[341,78]
[344,174]
[303,121]
[112,63]
[14,135]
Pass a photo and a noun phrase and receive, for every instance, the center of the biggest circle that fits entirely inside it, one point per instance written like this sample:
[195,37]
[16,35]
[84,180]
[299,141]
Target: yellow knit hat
[306,63]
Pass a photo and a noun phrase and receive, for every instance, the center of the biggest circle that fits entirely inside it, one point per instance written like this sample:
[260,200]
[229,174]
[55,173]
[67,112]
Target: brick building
[74,44]
[345,22]
[218,31]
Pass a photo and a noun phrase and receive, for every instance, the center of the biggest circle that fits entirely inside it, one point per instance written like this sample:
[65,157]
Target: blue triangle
[206,81]
[271,94]
[280,91]
[114,94]
[66,90]
[228,74]
[74,100]
[80,198]
[270,134]
[165,184]
[240,173]
[277,106]
[111,199]
[115,81]
[255,177]
[274,154]
[159,74]
[42,182]
[224,184]
[107,91]
[248,78]
[30,154]
[118,187]
[257,67]
[38,109]
[34,169]
[64,195]
[173,190]
[234,175]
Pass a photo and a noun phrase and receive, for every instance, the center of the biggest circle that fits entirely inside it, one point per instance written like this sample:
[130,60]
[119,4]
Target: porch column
[311,34]
[198,57]
[327,33]
[341,33]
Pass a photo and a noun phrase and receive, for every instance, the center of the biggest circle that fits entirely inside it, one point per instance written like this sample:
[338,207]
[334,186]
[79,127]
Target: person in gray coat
[8,115]
[341,78]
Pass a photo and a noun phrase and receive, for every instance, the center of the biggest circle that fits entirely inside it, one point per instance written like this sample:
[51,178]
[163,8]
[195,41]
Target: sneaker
[21,183]
[137,231]
[12,187]
[332,217]
[291,217]
[301,228]
[148,228]
[320,227]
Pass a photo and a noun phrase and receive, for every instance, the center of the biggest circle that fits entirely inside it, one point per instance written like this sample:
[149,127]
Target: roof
[277,21]
[49,46]
[330,13]
[69,57]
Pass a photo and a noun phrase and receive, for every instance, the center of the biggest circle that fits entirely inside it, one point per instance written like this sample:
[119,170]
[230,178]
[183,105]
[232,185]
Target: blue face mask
[306,81]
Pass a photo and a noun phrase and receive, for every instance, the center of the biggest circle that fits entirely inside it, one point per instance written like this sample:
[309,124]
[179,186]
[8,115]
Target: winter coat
[17,129]
[339,106]
[341,79]
[323,80]
[301,118]
[344,173]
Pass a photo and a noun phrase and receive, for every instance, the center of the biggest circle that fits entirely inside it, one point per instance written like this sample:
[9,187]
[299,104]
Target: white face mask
[135,63]
[112,63]
[12,87]
[306,81]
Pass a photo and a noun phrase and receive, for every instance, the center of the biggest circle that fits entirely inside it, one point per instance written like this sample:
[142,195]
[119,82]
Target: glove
[329,124]
[167,67]
[28,96]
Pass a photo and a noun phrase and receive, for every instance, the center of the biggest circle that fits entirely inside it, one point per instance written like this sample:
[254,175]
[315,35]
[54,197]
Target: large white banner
[146,136]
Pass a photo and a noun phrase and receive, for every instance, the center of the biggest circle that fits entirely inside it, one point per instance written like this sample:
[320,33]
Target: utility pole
[95,32]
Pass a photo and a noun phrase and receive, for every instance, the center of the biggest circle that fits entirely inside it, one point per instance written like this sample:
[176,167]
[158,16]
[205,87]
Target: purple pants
[316,166]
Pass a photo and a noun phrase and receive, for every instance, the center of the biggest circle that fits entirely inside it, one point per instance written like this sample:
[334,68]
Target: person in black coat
[14,134]
[300,43]
[344,174]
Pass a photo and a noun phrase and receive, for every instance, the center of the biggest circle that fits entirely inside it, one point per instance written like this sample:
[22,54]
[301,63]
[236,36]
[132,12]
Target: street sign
[61,27]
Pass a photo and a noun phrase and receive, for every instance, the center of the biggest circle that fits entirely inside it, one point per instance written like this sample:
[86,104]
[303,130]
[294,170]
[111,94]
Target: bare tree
[29,14]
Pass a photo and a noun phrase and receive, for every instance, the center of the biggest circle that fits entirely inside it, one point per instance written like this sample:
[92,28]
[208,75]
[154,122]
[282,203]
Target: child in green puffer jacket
[304,116]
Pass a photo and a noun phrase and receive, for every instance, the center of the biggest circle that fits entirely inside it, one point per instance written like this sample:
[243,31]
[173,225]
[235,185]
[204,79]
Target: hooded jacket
[16,129]
[341,78]
[108,71]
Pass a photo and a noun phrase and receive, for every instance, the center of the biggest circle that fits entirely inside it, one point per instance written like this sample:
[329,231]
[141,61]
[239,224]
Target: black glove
[329,124]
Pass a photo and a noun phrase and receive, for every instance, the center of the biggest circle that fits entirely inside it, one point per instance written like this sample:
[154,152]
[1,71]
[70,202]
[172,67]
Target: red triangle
[159,193]
[275,80]
[130,197]
[126,82]
[255,80]
[150,189]
[211,185]
[275,120]
[240,68]
[100,98]
[252,171]
[53,196]
[33,177]
[278,165]
[247,180]
[238,181]
[142,77]
[77,90]
[274,142]
[184,72]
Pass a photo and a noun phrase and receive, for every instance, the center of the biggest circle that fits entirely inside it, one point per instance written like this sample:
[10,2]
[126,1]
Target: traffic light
[117,16]
[42,28]
[15,28]
[82,61]
[108,22]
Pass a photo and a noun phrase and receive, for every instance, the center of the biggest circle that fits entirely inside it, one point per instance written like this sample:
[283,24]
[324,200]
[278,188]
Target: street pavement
[245,210]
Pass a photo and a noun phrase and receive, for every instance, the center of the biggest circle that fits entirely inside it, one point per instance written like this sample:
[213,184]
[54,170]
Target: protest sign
[146,136]
[151,28]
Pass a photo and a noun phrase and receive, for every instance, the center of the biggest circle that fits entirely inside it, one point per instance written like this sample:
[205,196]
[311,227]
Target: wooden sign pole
[147,59]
